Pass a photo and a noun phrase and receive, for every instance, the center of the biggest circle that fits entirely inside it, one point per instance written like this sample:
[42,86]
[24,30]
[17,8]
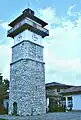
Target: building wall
[27,80]
[76,102]
[53,91]
[27,49]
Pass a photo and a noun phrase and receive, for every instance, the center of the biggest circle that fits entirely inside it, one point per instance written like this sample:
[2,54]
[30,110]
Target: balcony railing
[35,25]
[16,27]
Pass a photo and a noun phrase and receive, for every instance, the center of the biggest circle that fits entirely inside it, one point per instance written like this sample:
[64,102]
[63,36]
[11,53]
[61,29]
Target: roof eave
[71,93]
[22,16]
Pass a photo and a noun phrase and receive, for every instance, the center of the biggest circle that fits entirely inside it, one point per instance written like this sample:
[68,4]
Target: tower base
[27,88]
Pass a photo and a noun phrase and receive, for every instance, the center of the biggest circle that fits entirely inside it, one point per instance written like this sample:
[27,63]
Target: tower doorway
[14,108]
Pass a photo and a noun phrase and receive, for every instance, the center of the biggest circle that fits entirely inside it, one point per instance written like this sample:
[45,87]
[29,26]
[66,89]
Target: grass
[3,119]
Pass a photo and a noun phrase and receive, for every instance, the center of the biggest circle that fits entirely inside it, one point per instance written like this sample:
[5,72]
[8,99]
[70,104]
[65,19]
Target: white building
[55,101]
[73,98]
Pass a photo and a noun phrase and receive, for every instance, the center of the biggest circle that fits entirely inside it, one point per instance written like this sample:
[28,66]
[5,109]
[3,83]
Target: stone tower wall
[27,49]
[27,79]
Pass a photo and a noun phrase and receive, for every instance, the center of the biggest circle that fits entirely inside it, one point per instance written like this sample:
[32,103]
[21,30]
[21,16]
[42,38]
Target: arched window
[14,108]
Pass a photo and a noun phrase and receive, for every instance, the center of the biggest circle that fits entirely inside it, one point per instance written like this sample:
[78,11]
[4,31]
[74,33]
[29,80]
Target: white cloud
[62,48]
[70,10]
[62,51]
[5,59]
[49,15]
[5,51]
[4,25]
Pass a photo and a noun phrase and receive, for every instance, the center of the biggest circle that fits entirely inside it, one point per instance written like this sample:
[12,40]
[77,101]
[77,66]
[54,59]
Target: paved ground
[49,116]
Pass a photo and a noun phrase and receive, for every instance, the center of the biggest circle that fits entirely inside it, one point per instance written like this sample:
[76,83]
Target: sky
[62,49]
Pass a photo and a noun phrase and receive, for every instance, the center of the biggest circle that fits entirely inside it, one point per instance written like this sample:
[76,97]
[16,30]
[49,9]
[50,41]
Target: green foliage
[54,107]
[2,109]
[4,84]
[1,78]
[3,119]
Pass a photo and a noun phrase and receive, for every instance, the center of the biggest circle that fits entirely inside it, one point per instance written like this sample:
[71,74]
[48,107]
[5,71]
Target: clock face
[19,37]
[28,35]
[34,37]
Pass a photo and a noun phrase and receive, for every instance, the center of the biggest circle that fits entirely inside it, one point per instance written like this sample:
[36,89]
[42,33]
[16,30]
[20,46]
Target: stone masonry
[27,79]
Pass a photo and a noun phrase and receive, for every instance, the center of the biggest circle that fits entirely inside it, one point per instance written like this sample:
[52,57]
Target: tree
[1,84]
[1,78]
[4,84]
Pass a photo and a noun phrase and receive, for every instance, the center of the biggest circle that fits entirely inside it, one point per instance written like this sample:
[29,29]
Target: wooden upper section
[28,21]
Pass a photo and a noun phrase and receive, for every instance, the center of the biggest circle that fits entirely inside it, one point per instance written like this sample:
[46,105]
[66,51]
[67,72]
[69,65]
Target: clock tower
[27,70]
